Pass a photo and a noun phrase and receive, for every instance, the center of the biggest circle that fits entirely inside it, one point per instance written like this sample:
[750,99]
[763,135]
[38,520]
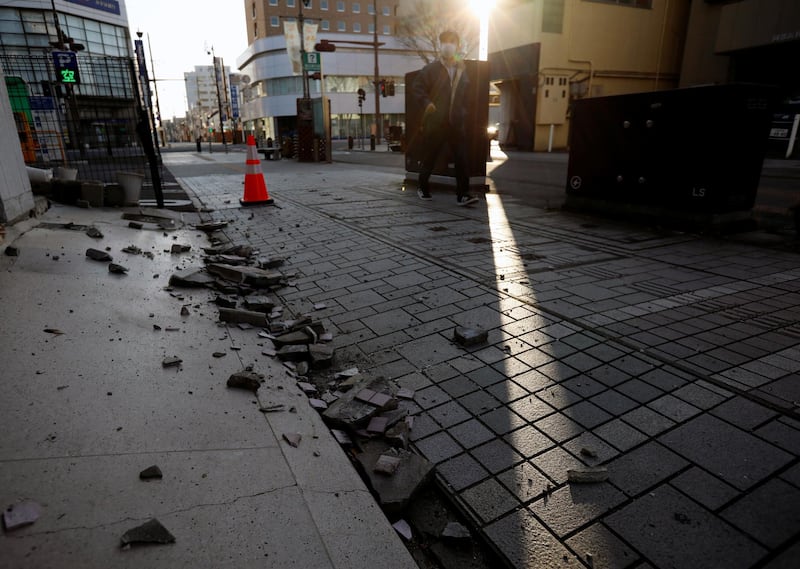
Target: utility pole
[217,73]
[378,121]
[160,128]
[300,20]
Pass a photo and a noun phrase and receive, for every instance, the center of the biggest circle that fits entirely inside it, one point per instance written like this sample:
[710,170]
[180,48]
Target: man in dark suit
[441,89]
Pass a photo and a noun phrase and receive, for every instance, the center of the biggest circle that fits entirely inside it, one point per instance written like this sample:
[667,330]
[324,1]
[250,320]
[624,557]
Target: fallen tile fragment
[117,269]
[178,248]
[191,278]
[293,353]
[54,331]
[135,225]
[213,226]
[317,404]
[149,532]
[321,355]
[405,393]
[238,316]
[403,529]
[455,531]
[97,255]
[341,437]
[94,233]
[219,354]
[587,475]
[386,464]
[307,388]
[273,408]
[21,514]
[171,361]
[245,379]
[377,425]
[151,472]
[292,438]
[351,372]
[320,306]
[470,336]
[132,249]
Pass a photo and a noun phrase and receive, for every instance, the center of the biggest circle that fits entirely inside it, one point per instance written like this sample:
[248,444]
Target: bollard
[349,142]
[372,142]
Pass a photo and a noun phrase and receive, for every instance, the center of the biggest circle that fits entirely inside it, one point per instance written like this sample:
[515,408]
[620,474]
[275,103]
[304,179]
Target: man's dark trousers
[433,141]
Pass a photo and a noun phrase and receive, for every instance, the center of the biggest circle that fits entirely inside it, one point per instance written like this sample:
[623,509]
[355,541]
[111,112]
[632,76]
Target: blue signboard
[234,101]
[111,6]
[42,103]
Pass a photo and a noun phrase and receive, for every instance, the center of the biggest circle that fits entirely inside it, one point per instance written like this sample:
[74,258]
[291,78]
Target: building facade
[206,91]
[270,97]
[545,53]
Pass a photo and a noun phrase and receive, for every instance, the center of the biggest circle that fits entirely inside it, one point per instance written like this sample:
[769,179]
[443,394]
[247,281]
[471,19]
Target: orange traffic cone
[255,189]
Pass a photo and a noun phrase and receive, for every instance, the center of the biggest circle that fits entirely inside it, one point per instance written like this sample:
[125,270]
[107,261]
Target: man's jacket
[432,85]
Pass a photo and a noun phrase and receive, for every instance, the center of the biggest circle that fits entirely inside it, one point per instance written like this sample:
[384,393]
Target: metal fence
[90,126]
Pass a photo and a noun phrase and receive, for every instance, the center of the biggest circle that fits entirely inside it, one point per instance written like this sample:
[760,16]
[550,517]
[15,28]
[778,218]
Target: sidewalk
[87,405]
[665,365]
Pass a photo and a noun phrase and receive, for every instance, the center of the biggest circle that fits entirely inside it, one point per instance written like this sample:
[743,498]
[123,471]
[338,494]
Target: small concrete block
[326,337]
[117,269]
[402,528]
[377,425]
[318,404]
[293,353]
[386,464]
[171,361]
[263,304]
[238,316]
[21,514]
[381,400]
[321,355]
[292,438]
[245,379]
[135,225]
[320,306]
[151,472]
[191,278]
[97,255]
[587,475]
[405,393]
[269,352]
[150,532]
[351,372]
[292,339]
[329,397]
[178,248]
[470,336]
[307,388]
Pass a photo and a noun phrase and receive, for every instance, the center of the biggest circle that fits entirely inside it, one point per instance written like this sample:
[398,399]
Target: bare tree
[419,28]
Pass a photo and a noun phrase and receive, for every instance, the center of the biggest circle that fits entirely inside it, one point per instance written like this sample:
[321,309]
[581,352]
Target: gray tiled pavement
[671,359]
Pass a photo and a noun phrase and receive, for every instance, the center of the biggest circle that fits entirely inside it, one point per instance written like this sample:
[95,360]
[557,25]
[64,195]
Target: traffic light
[382,87]
[390,88]
[361,96]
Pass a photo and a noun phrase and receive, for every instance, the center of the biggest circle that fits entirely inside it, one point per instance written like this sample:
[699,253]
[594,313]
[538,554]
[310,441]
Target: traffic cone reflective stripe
[255,188]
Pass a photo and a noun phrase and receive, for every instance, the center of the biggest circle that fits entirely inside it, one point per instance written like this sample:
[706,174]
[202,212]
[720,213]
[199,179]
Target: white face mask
[448,50]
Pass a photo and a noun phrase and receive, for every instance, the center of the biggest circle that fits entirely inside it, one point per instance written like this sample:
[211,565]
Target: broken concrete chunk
[150,532]
[225,302]
[394,492]
[151,472]
[292,339]
[117,269]
[132,249]
[97,255]
[178,248]
[219,354]
[302,368]
[245,379]
[326,337]
[239,316]
[263,304]
[341,437]
[320,306]
[264,263]
[292,438]
[397,436]
[94,233]
[321,355]
[470,336]
[587,475]
[21,514]
[455,531]
[365,395]
[252,276]
[12,251]
[386,464]
[213,226]
[293,353]
[191,278]
[135,225]
[403,529]
[307,388]
[171,361]
[318,404]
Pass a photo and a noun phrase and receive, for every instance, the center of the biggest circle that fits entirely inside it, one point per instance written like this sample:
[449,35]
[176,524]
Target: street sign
[66,64]
[311,61]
